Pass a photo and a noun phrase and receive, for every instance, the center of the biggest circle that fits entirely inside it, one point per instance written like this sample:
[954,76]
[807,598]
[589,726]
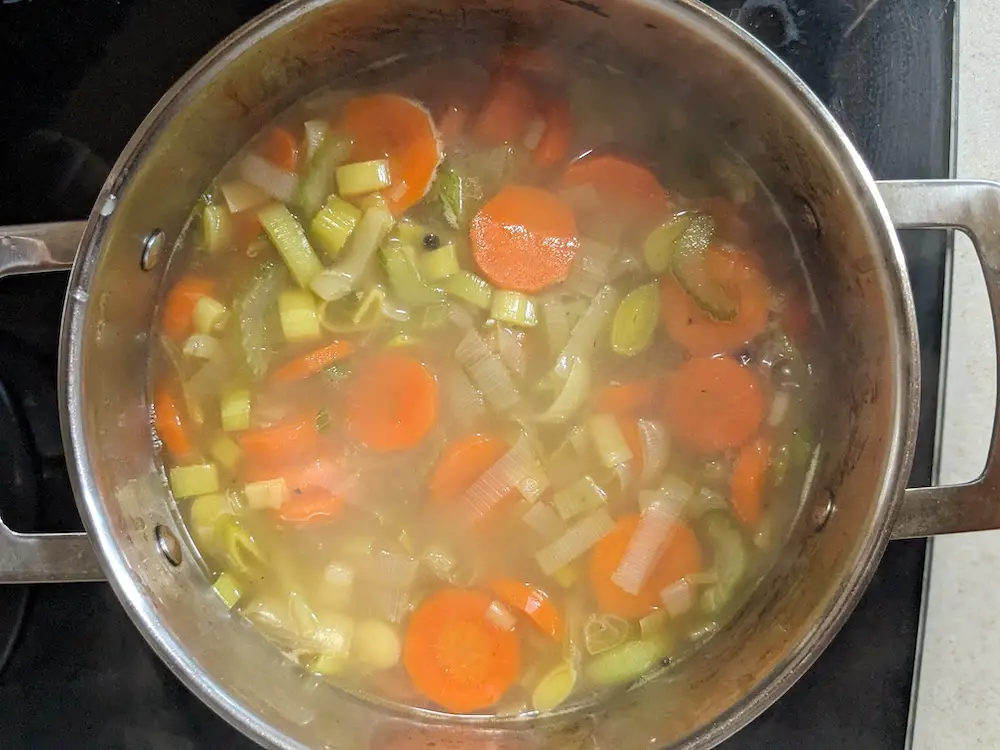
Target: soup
[479,395]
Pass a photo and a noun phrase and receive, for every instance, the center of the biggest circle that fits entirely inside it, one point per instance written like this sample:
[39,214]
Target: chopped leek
[585,334]
[635,321]
[225,451]
[204,516]
[372,228]
[543,520]
[705,501]
[576,541]
[297,313]
[567,575]
[355,312]
[554,688]
[571,396]
[316,132]
[234,408]
[280,184]
[440,264]
[730,561]
[209,315]
[326,665]
[376,645]
[317,181]
[338,584]
[333,224]
[630,661]
[469,288]
[216,229]
[241,549]
[583,496]
[611,445]
[250,306]
[514,308]
[487,372]
[653,622]
[361,178]
[332,636]
[591,269]
[659,247]
[269,493]
[194,480]
[690,268]
[404,278]
[291,242]
[534,483]
[242,196]
[228,588]
[200,346]
[603,632]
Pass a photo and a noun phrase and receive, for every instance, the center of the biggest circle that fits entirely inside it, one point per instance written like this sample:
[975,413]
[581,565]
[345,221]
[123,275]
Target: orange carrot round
[178,308]
[169,422]
[309,505]
[394,403]
[553,147]
[462,462]
[695,329]
[531,602]
[619,182]
[280,148]
[456,656]
[313,362]
[507,113]
[712,403]
[681,557]
[282,442]
[524,239]
[389,126]
[749,473]
[627,398]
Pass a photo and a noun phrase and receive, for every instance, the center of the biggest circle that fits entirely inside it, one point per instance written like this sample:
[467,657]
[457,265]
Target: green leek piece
[361,178]
[730,561]
[297,313]
[583,496]
[240,548]
[375,646]
[440,264]
[372,228]
[205,515]
[603,632]
[690,268]
[228,588]
[234,409]
[554,687]
[534,482]
[269,493]
[469,288]
[225,450]
[435,316]
[608,440]
[410,233]
[574,391]
[327,665]
[317,182]
[513,307]
[355,312]
[629,661]
[404,278]
[316,132]
[291,242]
[659,246]
[333,224]
[567,575]
[194,480]
[251,306]
[216,229]
[635,321]
[210,315]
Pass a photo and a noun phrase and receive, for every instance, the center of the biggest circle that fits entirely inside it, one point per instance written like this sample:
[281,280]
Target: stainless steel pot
[842,220]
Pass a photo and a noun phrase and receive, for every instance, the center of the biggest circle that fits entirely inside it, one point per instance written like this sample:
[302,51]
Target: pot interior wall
[663,48]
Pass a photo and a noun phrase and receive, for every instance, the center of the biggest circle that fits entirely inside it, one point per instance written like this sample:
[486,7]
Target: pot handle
[43,558]
[972,206]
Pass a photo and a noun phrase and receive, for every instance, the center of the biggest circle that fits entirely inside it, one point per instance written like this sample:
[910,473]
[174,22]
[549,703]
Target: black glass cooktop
[77,77]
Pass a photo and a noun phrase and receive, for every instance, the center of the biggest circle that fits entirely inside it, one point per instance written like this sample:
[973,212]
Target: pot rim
[125,582]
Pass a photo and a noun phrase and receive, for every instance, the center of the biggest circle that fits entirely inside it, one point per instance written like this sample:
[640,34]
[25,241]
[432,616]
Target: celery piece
[194,480]
[513,307]
[635,320]
[291,242]
[228,588]
[441,263]
[376,645]
[210,315]
[204,516]
[200,346]
[234,408]
[225,450]
[317,181]
[410,233]
[554,687]
[372,228]
[583,496]
[730,561]
[363,177]
[609,442]
[316,132]
[216,229]
[297,314]
[658,249]
[355,312]
[251,306]
[629,661]
[333,224]
[404,278]
[469,288]
[240,548]
[269,493]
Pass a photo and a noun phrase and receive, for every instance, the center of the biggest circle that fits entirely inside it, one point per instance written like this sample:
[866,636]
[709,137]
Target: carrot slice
[169,422]
[308,505]
[394,403]
[456,656]
[313,362]
[695,329]
[282,442]
[712,404]
[681,557]
[524,239]
[507,113]
[627,398]
[178,308]
[462,463]
[619,183]
[629,426]
[389,126]
[531,602]
[280,148]
[749,472]
[553,146]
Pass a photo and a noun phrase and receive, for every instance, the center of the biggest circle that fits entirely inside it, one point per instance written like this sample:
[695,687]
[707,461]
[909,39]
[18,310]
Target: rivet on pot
[824,511]
[152,249]
[168,545]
